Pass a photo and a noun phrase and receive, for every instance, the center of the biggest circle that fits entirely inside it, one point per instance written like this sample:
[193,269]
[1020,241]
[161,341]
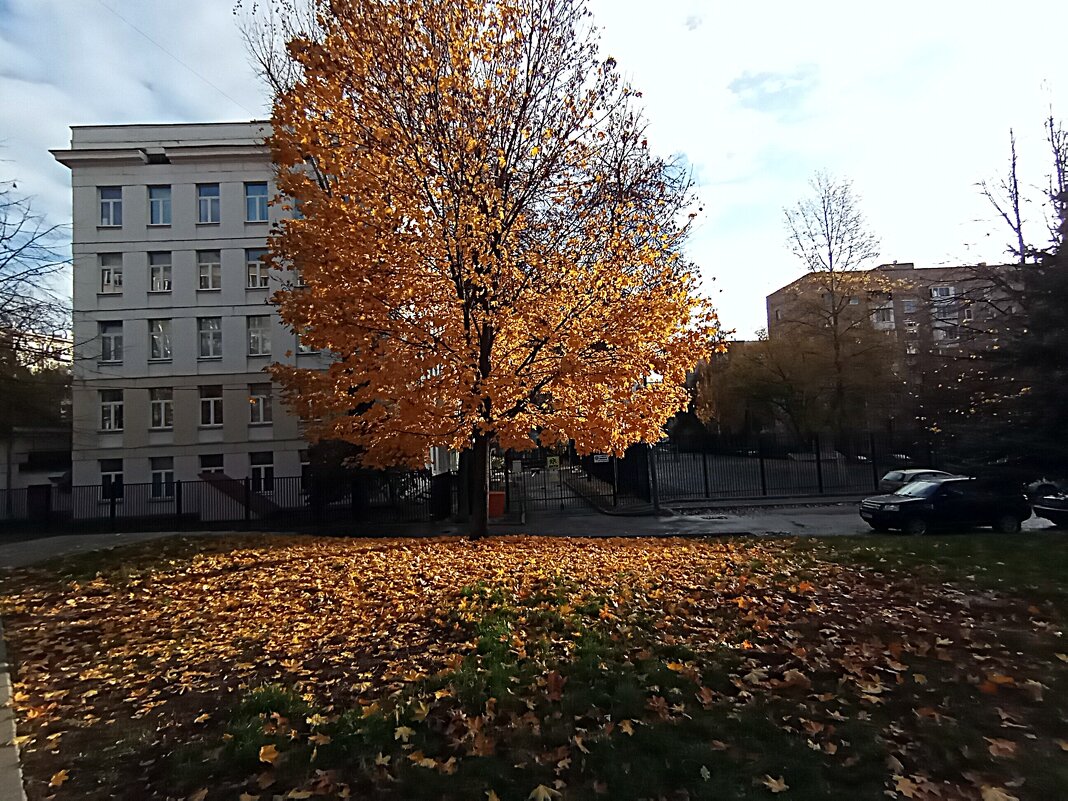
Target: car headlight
[892,507]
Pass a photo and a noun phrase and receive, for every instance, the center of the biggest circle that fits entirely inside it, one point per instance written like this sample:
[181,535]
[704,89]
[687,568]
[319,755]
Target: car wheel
[1007,524]
[916,526]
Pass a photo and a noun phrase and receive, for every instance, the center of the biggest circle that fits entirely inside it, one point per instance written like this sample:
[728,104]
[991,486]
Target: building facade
[172,322]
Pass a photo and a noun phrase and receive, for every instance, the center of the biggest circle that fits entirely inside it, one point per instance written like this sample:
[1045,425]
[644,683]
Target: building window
[159,205]
[159,340]
[943,292]
[967,314]
[209,337]
[159,272]
[303,346]
[256,202]
[211,406]
[259,403]
[209,268]
[911,348]
[111,273]
[256,268]
[110,478]
[911,325]
[162,477]
[854,301]
[778,314]
[161,407]
[212,464]
[110,206]
[910,305]
[259,335]
[298,278]
[305,470]
[111,342]
[207,203]
[261,468]
[883,316]
[111,410]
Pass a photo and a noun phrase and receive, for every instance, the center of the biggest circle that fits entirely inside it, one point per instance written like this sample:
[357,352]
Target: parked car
[1043,487]
[896,479]
[956,501]
[1053,508]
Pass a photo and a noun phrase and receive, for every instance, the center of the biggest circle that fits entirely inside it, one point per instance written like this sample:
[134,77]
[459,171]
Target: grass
[851,668]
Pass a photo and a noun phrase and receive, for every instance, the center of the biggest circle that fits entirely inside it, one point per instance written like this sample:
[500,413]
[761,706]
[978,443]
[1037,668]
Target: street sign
[600,458]
[552,462]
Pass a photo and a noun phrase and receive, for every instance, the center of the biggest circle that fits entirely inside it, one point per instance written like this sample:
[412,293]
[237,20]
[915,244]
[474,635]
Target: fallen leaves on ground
[390,669]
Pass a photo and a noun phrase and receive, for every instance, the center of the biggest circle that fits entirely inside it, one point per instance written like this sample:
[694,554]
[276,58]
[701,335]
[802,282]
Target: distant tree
[489,249]
[829,311]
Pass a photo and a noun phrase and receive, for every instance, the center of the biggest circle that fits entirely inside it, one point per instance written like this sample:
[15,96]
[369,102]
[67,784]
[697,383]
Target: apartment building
[172,322]
[924,310]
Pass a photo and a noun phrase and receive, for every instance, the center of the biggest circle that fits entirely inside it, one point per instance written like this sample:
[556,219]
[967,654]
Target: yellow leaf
[1063,744]
[627,727]
[248,797]
[996,794]
[535,150]
[776,785]
[492,796]
[320,739]
[1001,748]
[403,733]
[543,793]
[202,718]
[58,779]
[199,795]
[381,760]
[269,754]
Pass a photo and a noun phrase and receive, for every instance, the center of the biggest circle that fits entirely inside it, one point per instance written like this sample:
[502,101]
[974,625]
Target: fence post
[615,480]
[704,469]
[763,467]
[654,484]
[354,506]
[874,466]
[178,503]
[819,463]
[112,504]
[317,501]
[507,483]
[248,502]
[560,481]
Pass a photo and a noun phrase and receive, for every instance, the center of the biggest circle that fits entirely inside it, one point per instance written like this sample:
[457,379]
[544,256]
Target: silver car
[896,479]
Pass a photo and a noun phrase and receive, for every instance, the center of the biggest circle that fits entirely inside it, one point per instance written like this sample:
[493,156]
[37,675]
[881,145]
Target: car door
[955,505]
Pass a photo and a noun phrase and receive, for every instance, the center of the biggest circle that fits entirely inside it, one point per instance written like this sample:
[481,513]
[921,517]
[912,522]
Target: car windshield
[919,489]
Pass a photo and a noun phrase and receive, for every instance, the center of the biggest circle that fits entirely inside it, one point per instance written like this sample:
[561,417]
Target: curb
[10,770]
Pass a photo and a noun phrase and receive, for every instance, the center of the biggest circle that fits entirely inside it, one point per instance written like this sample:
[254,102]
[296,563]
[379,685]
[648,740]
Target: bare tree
[829,234]
[1004,195]
[32,310]
[268,26]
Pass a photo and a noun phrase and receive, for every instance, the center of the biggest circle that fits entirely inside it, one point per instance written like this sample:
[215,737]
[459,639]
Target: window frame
[256,268]
[159,272]
[162,478]
[258,335]
[213,273]
[213,471]
[108,273]
[260,405]
[112,411]
[111,341]
[261,202]
[111,478]
[210,335]
[211,203]
[163,338]
[160,204]
[261,474]
[112,204]
[213,404]
[161,409]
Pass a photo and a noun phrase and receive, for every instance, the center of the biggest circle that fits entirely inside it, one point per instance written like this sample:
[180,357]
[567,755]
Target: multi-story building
[172,324]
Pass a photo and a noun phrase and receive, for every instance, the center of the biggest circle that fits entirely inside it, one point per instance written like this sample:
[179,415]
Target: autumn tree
[829,307]
[488,246]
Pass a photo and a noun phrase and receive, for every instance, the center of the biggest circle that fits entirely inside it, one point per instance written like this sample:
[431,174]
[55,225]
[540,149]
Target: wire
[172,55]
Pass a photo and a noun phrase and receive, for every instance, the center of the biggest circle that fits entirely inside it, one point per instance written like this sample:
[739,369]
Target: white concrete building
[172,324]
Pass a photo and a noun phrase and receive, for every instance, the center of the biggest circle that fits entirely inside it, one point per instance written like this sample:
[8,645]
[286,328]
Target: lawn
[535,668]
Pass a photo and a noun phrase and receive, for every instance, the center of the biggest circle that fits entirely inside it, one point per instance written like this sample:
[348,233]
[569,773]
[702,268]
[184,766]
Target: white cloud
[912,101]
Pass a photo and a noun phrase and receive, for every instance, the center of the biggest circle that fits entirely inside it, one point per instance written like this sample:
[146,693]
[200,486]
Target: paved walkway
[814,520]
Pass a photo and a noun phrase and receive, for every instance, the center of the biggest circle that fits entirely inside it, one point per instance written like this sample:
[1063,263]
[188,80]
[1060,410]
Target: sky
[911,101]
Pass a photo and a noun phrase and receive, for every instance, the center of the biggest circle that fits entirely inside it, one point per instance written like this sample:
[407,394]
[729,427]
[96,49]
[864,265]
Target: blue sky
[912,101]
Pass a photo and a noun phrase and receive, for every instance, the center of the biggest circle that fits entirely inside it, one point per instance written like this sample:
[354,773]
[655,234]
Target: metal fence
[221,502]
[538,481]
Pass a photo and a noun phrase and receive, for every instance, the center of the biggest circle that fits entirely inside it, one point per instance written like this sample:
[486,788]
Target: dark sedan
[958,502]
[1053,508]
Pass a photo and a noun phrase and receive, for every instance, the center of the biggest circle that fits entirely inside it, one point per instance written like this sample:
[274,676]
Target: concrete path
[827,520]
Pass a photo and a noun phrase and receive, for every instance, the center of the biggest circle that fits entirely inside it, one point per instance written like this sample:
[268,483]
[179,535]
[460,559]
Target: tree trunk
[480,487]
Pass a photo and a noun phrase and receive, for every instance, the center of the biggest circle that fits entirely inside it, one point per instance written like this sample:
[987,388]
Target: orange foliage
[488,247]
